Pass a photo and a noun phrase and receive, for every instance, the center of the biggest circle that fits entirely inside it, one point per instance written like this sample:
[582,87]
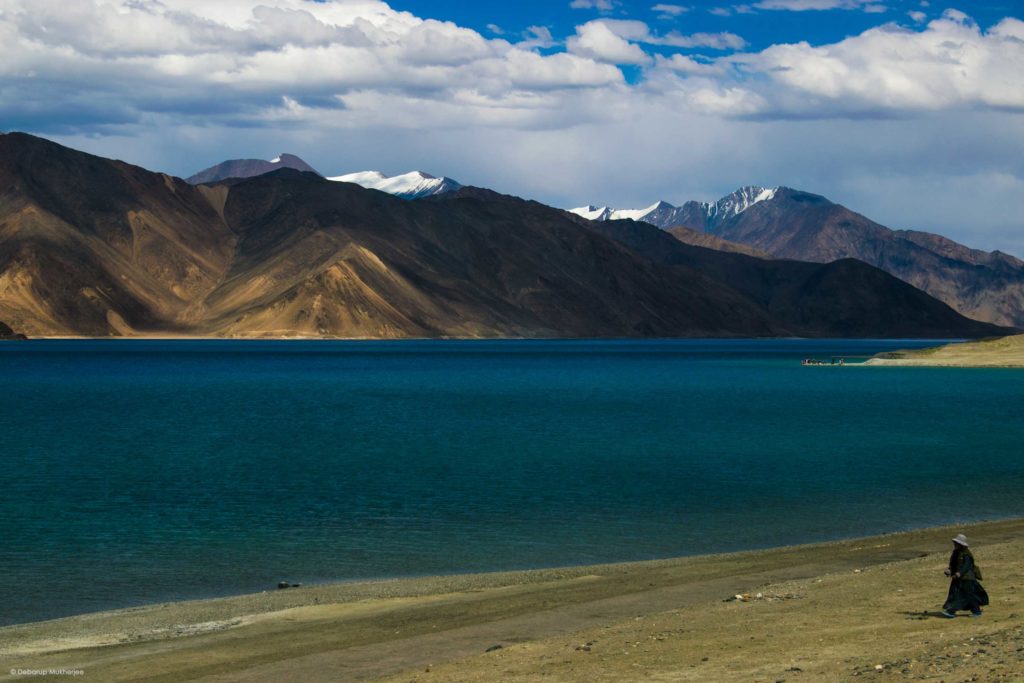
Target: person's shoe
[948,614]
[976,614]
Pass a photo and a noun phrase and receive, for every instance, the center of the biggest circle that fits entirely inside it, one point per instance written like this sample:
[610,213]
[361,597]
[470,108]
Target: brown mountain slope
[799,225]
[704,239]
[96,247]
[92,246]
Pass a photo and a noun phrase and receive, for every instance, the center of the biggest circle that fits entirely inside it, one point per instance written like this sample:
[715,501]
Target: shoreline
[160,337]
[438,619]
[401,585]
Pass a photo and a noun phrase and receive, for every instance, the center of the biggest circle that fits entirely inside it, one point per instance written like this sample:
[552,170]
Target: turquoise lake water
[135,472]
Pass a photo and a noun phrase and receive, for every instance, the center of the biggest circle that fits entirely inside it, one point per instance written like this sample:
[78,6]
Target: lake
[135,472]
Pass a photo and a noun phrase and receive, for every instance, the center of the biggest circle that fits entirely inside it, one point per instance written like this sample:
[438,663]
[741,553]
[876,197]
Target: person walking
[965,589]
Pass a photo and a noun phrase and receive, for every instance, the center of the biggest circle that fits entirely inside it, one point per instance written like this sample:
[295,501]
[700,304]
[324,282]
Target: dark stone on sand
[492,648]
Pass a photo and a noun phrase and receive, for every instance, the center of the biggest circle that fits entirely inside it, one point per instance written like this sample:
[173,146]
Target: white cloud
[729,11]
[670,11]
[90,64]
[714,41]
[79,63]
[688,65]
[537,37]
[602,5]
[805,5]
[918,17]
[596,40]
[890,70]
[640,32]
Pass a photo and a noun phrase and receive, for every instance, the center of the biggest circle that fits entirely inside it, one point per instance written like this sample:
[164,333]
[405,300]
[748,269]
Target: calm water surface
[137,472]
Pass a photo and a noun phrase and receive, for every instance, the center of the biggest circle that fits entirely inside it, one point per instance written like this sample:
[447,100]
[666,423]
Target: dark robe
[965,591]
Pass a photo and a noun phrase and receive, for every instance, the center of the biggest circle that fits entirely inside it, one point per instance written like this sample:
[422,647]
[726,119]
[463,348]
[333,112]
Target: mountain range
[412,185]
[699,216]
[94,247]
[790,224]
[776,222]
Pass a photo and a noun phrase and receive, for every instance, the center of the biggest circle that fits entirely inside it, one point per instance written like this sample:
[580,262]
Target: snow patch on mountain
[593,213]
[412,185]
[603,213]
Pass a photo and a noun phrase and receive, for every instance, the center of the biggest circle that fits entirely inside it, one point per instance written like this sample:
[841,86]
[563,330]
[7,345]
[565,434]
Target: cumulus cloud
[596,40]
[82,63]
[890,70]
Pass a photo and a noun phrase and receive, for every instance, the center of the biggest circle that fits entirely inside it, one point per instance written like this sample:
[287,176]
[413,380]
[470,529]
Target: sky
[910,112]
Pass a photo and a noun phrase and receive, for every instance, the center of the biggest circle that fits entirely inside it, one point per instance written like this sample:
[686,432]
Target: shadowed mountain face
[798,225]
[845,298]
[249,168]
[95,247]
[7,333]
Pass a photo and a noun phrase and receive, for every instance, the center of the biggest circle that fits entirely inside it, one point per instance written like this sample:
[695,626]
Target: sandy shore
[825,612]
[1004,352]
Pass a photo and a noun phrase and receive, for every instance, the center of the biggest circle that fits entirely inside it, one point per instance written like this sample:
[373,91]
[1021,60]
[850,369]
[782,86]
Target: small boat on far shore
[818,361]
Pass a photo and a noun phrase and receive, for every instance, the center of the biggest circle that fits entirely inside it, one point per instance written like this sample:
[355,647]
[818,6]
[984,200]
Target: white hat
[960,540]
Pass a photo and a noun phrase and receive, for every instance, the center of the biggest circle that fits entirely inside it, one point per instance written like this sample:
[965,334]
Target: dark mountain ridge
[844,298]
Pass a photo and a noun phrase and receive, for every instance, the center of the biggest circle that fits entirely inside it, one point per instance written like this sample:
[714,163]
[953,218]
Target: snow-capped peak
[739,201]
[410,185]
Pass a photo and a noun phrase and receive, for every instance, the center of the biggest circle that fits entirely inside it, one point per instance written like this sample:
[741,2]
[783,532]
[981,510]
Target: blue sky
[910,112]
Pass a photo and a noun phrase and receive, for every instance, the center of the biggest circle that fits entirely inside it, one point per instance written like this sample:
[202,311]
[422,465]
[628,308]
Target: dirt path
[833,611]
